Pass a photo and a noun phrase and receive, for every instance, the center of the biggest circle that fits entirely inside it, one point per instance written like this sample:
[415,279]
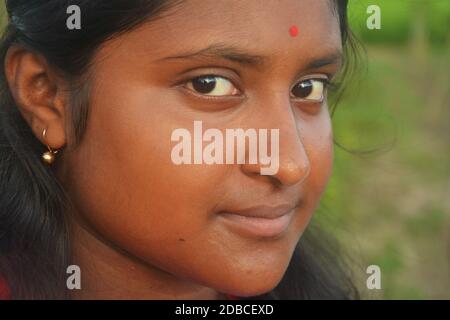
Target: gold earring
[49,156]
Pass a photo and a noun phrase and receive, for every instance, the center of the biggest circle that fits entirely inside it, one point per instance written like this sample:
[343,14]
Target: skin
[144,228]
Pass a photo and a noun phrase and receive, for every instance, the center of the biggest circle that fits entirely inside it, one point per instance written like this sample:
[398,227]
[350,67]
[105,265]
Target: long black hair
[34,228]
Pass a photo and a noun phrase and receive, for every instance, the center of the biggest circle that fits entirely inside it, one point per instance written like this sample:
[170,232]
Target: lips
[260,221]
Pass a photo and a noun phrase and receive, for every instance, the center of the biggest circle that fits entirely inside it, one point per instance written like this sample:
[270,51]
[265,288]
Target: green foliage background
[392,207]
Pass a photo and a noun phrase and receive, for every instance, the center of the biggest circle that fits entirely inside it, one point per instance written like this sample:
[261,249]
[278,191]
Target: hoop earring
[49,156]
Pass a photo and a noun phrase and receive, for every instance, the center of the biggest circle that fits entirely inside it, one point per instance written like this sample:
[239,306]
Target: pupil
[303,89]
[204,84]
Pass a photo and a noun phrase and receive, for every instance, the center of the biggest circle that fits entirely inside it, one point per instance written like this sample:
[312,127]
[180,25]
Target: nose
[293,162]
[294,165]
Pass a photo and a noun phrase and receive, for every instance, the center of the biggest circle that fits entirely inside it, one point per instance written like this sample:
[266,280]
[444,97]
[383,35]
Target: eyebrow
[239,56]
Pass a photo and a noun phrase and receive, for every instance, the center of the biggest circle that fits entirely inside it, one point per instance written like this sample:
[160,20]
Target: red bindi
[293,31]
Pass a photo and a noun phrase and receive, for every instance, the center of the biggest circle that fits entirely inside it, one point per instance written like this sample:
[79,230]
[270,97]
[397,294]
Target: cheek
[317,137]
[318,140]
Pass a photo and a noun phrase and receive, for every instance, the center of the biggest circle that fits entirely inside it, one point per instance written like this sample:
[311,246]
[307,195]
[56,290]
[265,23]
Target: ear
[39,94]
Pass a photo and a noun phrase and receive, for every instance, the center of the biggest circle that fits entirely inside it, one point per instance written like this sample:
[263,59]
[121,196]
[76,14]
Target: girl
[87,121]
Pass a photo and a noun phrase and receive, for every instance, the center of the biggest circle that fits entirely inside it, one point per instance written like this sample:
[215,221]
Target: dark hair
[34,228]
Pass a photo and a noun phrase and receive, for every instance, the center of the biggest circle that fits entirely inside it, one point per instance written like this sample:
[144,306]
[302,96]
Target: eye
[310,89]
[212,85]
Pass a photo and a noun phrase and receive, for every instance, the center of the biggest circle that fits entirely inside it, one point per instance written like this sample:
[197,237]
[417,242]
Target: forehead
[258,26]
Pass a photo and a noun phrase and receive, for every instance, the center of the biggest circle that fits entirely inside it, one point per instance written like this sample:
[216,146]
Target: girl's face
[230,64]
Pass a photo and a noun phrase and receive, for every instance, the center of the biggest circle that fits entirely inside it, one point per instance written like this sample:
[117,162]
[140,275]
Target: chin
[253,290]
[252,285]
